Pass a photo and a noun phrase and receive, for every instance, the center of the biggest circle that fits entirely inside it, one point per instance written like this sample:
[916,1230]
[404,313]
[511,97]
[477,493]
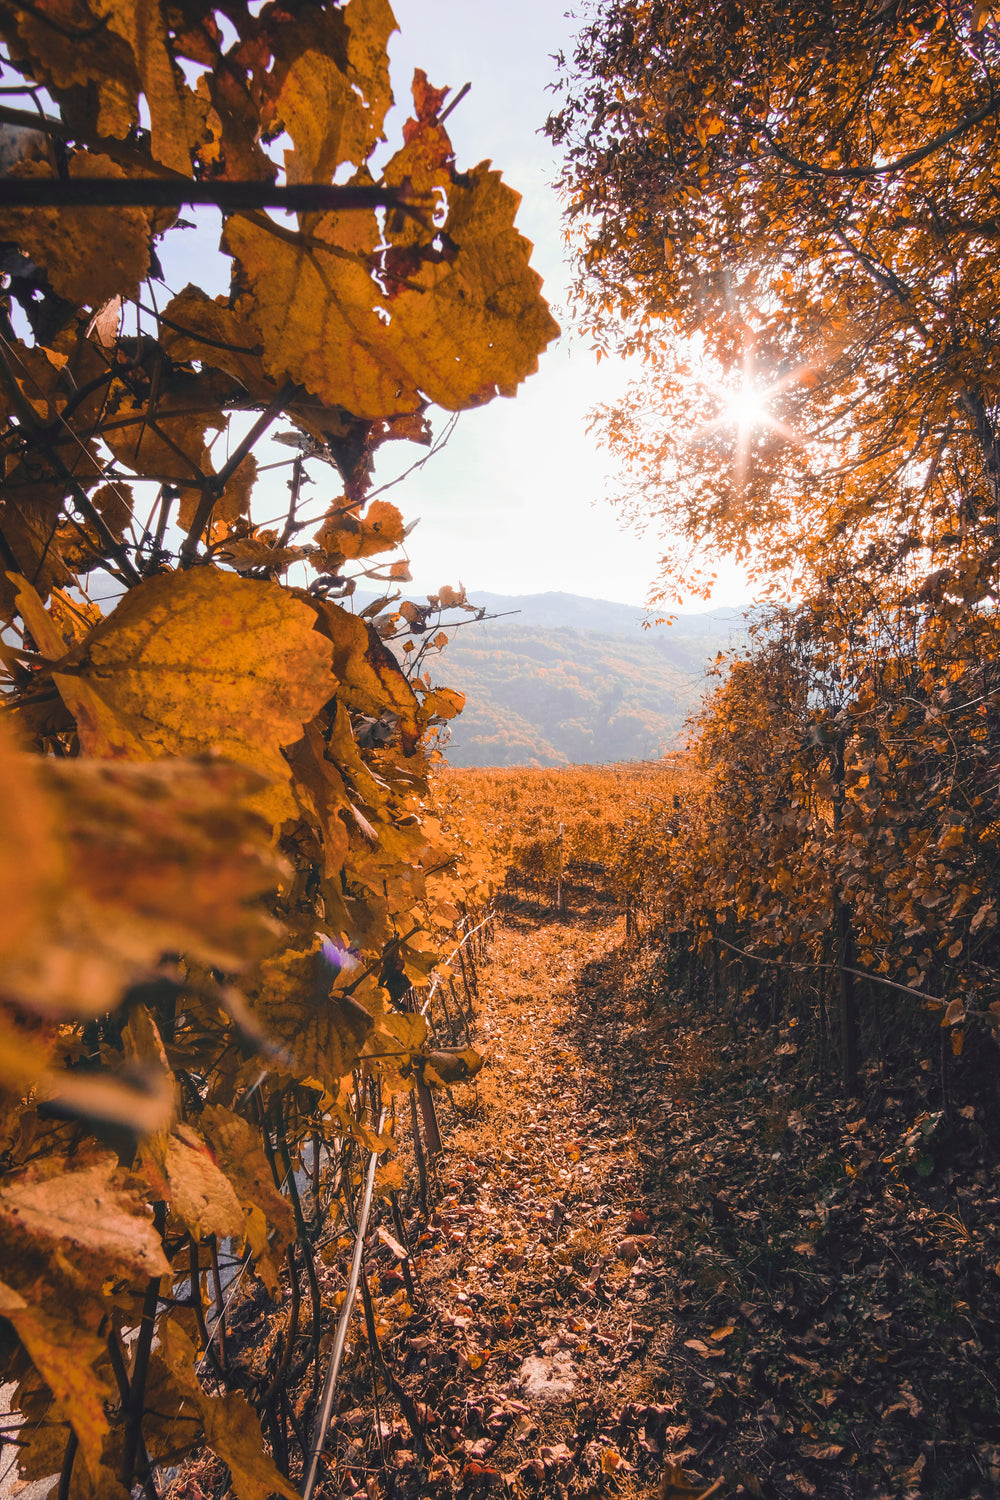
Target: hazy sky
[516,502]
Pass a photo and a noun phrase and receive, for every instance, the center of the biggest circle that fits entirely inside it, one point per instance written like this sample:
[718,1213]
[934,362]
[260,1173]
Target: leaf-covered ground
[658,1247]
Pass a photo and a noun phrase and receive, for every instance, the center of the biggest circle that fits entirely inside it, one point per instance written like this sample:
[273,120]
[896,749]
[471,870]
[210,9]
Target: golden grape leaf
[194,326]
[205,660]
[89,254]
[182,1170]
[232,1430]
[334,89]
[396,1035]
[78,53]
[319,784]
[312,307]
[64,1355]
[155,858]
[177,114]
[56,1208]
[231,1426]
[346,534]
[457,329]
[180,1357]
[238,1150]
[471,327]
[29,516]
[323,1033]
[368,676]
[445,703]
[175,447]
[31,862]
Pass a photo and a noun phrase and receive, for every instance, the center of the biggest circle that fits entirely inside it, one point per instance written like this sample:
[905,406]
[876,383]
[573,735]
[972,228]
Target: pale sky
[517,501]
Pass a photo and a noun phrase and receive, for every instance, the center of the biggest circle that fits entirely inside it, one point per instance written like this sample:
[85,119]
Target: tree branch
[900,164]
[174,192]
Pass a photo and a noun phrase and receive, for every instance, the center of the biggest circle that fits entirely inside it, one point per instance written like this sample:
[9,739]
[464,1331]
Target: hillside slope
[545,691]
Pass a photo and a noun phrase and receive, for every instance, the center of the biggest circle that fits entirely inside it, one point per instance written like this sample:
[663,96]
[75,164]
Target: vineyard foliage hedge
[219,860]
[585,816]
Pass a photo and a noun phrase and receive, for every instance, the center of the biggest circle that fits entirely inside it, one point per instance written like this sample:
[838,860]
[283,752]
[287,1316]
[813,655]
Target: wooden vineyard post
[428,1117]
[559,879]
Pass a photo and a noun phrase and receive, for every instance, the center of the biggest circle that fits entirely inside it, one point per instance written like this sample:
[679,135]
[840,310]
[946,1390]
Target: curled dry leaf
[446,1066]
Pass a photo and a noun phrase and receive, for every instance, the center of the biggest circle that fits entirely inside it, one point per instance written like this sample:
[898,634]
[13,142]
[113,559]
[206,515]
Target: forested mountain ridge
[544,688]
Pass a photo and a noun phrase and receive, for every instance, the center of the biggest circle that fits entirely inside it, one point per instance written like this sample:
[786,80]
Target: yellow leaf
[90,254]
[348,535]
[194,326]
[64,1355]
[181,1169]
[245,553]
[320,785]
[335,90]
[722,1333]
[44,630]
[84,55]
[60,1209]
[30,858]
[321,1034]
[232,1430]
[177,115]
[165,433]
[200,661]
[390,1177]
[155,858]
[238,1150]
[445,703]
[368,675]
[457,331]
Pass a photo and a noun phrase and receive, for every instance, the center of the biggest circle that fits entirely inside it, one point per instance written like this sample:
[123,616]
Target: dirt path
[541,1196]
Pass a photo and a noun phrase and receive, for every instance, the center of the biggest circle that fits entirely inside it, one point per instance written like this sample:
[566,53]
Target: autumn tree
[802,199]
[220,862]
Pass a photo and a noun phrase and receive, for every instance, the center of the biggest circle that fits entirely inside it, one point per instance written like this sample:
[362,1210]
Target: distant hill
[571,680]
[551,611]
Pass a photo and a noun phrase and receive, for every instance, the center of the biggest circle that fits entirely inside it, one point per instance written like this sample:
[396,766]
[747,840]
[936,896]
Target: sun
[745,408]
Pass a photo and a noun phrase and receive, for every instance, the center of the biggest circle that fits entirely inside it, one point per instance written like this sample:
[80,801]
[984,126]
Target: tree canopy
[804,198]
